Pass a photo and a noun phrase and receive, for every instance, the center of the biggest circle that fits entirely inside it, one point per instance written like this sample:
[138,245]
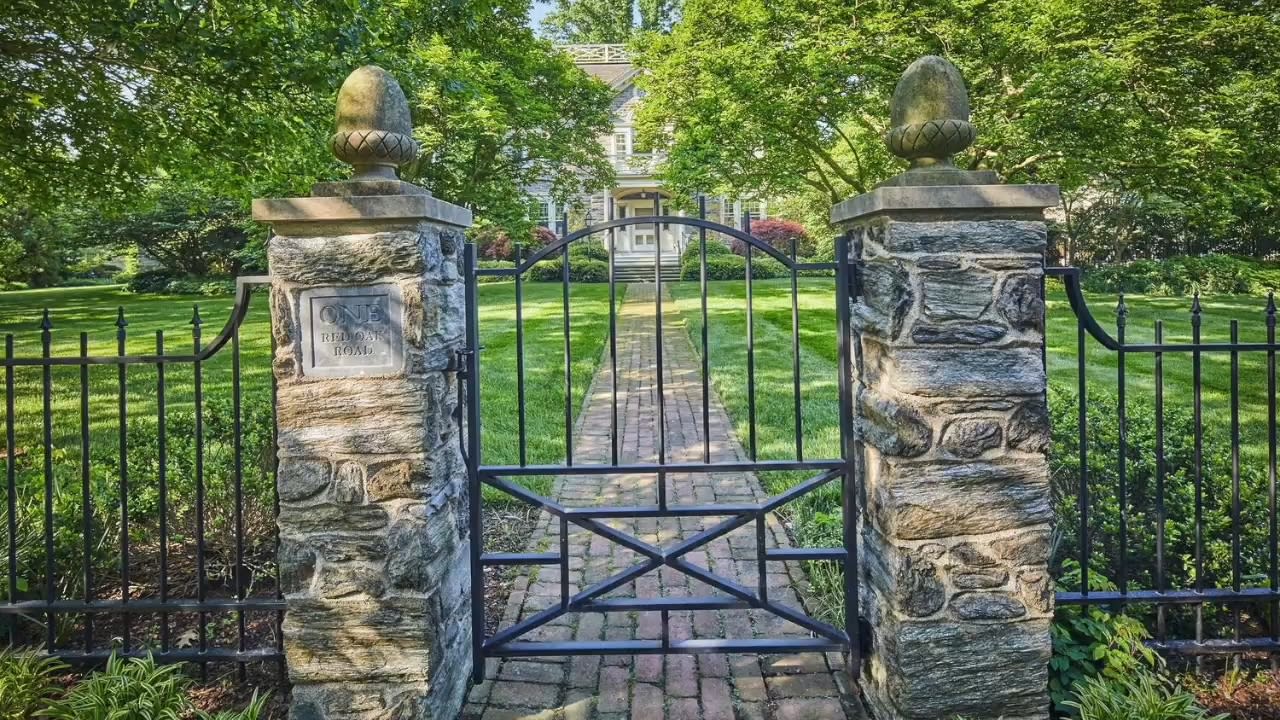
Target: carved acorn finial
[930,114]
[374,131]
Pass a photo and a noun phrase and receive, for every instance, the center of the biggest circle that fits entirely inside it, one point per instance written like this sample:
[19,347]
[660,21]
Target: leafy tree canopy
[104,98]
[608,21]
[1175,101]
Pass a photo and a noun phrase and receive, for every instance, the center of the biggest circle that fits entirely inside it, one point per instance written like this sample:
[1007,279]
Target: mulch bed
[1240,695]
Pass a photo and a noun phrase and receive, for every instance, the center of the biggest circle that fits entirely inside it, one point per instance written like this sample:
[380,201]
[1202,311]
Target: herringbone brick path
[653,687]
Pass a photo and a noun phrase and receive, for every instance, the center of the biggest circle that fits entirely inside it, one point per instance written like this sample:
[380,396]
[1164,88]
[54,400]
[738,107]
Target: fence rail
[1193,532]
[127,528]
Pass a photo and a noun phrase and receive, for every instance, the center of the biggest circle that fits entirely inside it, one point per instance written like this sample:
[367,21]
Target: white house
[634,192]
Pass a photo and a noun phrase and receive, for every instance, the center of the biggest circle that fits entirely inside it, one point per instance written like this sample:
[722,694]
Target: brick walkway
[653,687]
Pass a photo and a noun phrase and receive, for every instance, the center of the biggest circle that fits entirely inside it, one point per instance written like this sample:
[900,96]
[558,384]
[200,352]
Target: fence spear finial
[46,322]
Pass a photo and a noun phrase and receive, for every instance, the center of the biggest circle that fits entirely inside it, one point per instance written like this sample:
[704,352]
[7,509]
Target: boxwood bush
[581,269]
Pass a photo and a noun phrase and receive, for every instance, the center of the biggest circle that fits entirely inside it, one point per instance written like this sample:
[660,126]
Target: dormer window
[621,143]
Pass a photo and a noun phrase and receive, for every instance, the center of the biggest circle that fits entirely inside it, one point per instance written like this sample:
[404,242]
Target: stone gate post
[367,313]
[948,328]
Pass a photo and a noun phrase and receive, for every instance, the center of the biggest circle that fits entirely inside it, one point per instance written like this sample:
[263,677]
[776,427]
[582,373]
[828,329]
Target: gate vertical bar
[706,367]
[1122,451]
[520,391]
[751,350]
[1161,511]
[162,481]
[46,393]
[795,354]
[1273,532]
[471,354]
[568,345]
[86,494]
[613,339]
[122,387]
[11,483]
[851,451]
[1198,429]
[658,342]
[201,586]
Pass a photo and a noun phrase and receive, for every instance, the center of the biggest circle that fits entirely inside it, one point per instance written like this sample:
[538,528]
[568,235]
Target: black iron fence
[139,491]
[1165,473]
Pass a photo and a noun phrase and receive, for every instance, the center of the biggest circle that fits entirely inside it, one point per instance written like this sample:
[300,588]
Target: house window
[621,143]
[541,211]
[754,208]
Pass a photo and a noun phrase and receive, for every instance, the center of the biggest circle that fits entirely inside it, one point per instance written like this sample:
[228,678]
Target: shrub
[715,247]
[494,264]
[580,270]
[1141,694]
[588,249]
[26,683]
[779,234]
[209,287]
[1090,643]
[494,243]
[151,281]
[1210,274]
[731,267]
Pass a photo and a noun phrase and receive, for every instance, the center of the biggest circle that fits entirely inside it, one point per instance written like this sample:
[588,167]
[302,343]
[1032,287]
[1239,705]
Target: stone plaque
[352,331]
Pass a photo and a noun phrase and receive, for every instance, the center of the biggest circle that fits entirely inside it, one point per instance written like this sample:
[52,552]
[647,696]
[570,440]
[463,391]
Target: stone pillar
[948,331]
[367,313]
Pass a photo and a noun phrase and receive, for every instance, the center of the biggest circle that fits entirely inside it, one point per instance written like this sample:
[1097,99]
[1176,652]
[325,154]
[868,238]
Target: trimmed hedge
[1209,274]
[581,269]
[168,283]
[588,250]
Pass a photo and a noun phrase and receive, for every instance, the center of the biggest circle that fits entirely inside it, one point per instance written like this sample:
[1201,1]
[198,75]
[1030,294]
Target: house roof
[616,75]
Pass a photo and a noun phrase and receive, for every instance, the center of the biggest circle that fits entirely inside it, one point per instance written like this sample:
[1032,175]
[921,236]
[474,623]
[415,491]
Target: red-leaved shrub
[779,234]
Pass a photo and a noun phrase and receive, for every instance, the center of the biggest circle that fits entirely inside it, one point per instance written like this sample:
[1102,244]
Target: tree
[106,98]
[1168,97]
[493,121]
[185,231]
[608,21]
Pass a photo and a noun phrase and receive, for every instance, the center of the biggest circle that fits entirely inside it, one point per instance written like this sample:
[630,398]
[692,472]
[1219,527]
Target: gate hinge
[459,362]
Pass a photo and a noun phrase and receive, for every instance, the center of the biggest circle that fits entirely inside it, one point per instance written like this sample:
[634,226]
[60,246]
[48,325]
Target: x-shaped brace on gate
[656,557]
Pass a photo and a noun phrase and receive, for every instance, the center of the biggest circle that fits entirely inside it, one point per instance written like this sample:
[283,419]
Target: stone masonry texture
[373,532]
[951,411]
[702,687]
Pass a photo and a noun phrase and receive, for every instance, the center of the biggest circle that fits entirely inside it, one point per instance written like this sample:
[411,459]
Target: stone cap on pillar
[938,200]
[930,117]
[374,134]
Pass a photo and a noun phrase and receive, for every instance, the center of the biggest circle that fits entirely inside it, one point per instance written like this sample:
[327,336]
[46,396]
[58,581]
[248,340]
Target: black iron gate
[506,475]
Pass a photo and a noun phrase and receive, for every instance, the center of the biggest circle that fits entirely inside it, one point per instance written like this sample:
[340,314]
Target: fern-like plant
[1141,695]
[126,690]
[26,683]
